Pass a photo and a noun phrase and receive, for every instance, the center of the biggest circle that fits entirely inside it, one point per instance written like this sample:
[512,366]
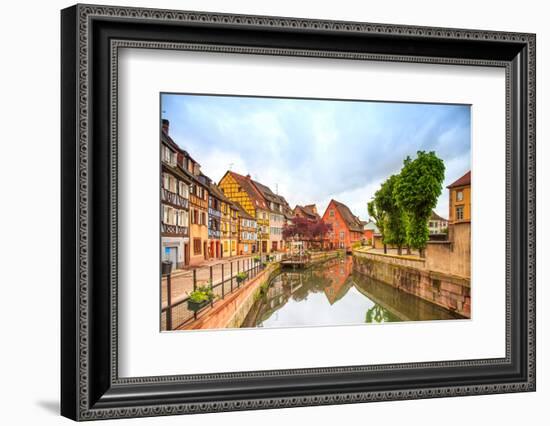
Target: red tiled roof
[463,181]
[350,219]
[435,216]
[307,211]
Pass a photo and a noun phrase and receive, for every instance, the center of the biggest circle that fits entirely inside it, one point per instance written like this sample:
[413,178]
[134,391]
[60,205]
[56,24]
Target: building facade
[214,221]
[437,224]
[369,230]
[247,241]
[276,217]
[174,196]
[241,189]
[347,230]
[460,200]
[227,223]
[198,218]
[233,228]
[308,211]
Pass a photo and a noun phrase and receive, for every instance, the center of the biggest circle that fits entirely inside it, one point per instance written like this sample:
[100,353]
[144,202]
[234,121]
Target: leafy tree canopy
[416,191]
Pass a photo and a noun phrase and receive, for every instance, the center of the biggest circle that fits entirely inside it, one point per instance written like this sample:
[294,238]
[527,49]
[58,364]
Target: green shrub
[201,294]
[241,276]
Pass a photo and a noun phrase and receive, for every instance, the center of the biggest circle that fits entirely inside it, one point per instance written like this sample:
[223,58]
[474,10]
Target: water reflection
[332,294]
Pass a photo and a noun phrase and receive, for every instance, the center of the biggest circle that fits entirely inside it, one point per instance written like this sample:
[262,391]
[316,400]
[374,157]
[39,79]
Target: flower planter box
[196,306]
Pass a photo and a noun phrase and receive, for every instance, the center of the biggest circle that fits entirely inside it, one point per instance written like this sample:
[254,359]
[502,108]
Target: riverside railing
[221,278]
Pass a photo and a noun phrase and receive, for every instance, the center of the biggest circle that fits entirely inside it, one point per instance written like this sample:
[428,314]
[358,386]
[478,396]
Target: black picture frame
[90,386]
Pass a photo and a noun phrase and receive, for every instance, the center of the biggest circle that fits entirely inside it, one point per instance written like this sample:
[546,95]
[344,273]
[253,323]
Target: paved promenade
[182,280]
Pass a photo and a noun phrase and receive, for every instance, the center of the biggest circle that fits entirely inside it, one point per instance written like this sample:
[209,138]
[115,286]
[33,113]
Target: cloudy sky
[314,150]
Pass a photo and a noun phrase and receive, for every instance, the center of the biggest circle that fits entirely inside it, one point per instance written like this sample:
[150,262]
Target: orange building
[346,227]
[460,199]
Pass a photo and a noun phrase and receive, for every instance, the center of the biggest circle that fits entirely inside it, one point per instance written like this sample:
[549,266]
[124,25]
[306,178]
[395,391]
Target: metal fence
[222,280]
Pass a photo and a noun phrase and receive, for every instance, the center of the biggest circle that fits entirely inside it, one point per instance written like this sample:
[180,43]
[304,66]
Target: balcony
[181,231]
[213,233]
[215,213]
[173,198]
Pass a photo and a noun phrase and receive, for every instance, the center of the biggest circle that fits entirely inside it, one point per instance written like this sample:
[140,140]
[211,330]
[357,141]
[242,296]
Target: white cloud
[312,150]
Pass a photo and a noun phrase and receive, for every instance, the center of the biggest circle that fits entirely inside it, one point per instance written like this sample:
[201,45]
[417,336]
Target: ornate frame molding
[78,51]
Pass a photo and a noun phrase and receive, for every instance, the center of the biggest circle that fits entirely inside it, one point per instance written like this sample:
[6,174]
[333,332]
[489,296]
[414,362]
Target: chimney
[248,176]
[165,125]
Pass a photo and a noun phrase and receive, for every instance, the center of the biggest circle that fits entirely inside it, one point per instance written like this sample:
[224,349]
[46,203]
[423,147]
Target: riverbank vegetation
[401,208]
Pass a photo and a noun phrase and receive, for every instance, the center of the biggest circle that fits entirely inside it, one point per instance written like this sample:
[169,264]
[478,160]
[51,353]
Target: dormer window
[168,156]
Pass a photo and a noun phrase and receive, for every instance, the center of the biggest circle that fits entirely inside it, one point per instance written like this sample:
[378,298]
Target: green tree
[396,219]
[416,191]
[379,217]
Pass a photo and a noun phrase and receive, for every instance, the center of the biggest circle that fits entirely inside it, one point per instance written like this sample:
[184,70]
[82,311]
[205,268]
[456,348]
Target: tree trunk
[422,252]
[385,249]
[399,250]
[408,249]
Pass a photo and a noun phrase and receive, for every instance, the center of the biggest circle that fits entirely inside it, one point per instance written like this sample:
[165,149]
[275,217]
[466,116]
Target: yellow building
[228,227]
[242,190]
[234,228]
[460,200]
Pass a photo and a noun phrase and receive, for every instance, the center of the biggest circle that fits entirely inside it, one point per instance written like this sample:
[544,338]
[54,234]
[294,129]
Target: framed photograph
[263,212]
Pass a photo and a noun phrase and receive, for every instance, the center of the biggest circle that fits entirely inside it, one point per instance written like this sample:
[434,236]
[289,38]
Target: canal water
[332,294]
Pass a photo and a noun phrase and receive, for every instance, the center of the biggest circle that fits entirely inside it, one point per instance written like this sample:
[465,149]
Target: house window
[203,217]
[460,213]
[183,219]
[169,216]
[168,156]
[459,195]
[183,190]
[331,213]
[197,245]
[341,235]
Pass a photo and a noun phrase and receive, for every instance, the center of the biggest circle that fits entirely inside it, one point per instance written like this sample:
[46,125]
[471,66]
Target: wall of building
[197,231]
[453,256]
[453,203]
[179,244]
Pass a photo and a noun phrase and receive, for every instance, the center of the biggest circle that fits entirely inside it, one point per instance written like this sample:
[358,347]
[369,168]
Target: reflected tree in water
[377,314]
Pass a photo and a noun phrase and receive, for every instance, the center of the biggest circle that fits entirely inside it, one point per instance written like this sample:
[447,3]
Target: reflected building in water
[332,294]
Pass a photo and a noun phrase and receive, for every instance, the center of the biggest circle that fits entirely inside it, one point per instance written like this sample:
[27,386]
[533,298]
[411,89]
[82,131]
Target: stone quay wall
[318,257]
[413,276]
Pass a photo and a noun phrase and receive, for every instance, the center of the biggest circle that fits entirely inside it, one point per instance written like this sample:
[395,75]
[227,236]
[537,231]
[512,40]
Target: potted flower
[199,298]
[257,259]
[241,276]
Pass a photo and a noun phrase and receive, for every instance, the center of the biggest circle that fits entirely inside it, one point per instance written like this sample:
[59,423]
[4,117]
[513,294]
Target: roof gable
[247,186]
[435,216]
[462,181]
[350,220]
